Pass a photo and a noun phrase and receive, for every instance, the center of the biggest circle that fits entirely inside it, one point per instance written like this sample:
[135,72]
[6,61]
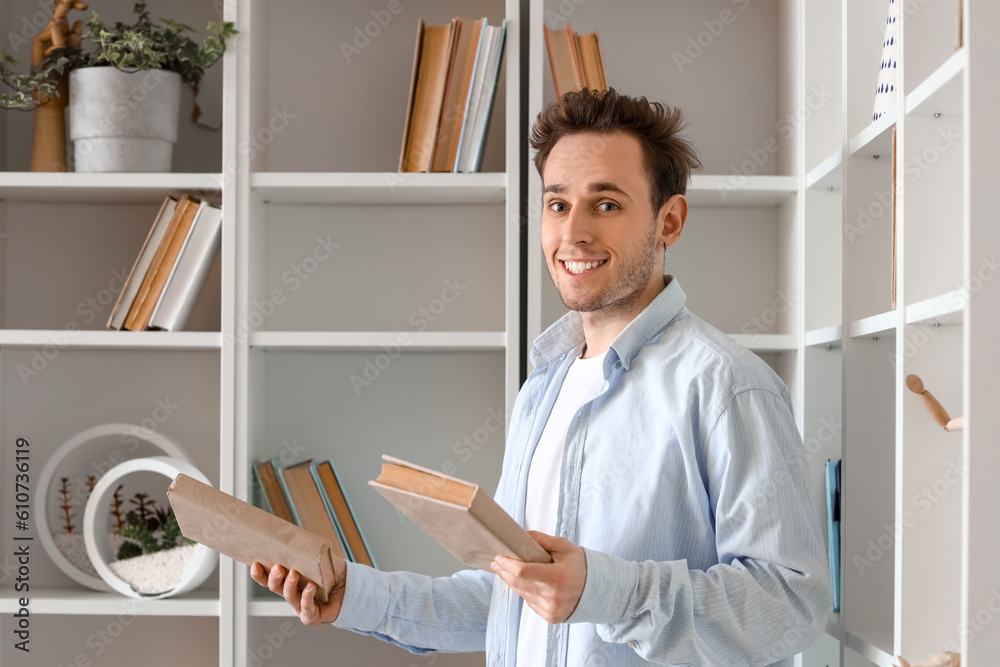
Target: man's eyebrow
[559,188]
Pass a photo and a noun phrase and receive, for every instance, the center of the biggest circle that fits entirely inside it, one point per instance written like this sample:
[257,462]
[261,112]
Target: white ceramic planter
[95,526]
[105,444]
[123,120]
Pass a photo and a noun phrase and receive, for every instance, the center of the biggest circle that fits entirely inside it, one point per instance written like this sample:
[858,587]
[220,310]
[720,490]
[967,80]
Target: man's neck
[600,328]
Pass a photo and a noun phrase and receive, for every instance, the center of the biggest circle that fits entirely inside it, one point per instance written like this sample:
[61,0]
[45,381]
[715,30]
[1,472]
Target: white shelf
[876,646]
[373,340]
[270,608]
[941,92]
[827,175]
[94,603]
[27,186]
[379,188]
[731,190]
[883,324]
[767,342]
[876,139]
[825,336]
[834,627]
[944,309]
[114,340]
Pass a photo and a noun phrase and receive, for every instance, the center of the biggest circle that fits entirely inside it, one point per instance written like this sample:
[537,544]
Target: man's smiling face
[600,237]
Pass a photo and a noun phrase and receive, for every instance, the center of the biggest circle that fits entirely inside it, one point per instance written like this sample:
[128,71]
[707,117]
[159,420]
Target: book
[456,94]
[162,264]
[833,529]
[307,506]
[591,62]
[274,495]
[340,510]
[479,105]
[432,57]
[246,533]
[135,277]
[185,281]
[459,515]
[564,61]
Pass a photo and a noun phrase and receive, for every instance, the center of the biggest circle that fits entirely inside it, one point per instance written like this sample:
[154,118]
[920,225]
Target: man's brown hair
[669,157]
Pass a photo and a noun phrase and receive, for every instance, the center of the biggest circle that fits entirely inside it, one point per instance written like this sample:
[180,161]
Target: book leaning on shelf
[452,88]
[309,494]
[171,267]
[575,60]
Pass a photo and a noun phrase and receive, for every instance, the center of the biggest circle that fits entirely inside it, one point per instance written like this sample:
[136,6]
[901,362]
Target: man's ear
[671,220]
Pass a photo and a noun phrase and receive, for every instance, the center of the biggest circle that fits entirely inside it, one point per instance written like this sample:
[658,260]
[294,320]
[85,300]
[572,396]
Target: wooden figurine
[49,147]
[937,411]
[945,659]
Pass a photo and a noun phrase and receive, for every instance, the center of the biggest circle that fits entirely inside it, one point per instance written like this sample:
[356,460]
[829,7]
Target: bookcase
[355,311]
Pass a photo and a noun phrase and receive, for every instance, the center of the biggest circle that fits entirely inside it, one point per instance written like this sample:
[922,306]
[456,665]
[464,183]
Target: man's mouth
[576,268]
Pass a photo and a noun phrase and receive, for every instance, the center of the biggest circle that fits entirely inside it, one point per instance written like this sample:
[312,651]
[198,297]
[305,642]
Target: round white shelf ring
[95,527]
[167,446]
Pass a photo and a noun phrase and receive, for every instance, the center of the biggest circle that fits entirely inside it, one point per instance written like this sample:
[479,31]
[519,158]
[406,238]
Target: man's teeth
[580,267]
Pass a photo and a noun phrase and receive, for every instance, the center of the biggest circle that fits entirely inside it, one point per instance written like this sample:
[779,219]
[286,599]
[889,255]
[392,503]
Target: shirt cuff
[366,599]
[610,584]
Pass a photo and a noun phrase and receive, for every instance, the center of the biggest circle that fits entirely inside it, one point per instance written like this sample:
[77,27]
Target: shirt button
[632,644]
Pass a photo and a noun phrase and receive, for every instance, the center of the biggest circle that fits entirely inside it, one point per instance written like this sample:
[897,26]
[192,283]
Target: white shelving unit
[356,311]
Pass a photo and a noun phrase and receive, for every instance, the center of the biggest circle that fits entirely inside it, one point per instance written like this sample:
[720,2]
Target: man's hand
[310,612]
[551,589]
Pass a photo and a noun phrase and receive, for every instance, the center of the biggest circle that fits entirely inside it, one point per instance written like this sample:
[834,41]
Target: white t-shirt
[583,381]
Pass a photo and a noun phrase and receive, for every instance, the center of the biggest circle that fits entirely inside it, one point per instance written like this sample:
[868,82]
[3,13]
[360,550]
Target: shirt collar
[567,332]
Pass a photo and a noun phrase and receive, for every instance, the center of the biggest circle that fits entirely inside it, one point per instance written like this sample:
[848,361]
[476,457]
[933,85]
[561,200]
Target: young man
[657,458]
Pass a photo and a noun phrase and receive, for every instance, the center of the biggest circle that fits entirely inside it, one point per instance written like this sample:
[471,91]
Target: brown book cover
[456,95]
[462,517]
[307,504]
[163,262]
[432,59]
[591,61]
[342,510]
[564,61]
[247,533]
[272,491]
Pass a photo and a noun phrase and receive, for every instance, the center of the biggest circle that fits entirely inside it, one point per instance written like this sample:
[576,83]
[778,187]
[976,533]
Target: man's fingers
[257,573]
[308,610]
[291,590]
[276,579]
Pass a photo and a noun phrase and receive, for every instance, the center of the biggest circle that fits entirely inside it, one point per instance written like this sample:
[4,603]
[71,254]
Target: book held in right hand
[462,517]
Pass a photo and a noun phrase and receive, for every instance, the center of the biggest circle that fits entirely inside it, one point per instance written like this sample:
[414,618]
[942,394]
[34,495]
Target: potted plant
[125,92]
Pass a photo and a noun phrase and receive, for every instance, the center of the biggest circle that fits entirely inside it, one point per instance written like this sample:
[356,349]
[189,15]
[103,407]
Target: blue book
[833,528]
[479,104]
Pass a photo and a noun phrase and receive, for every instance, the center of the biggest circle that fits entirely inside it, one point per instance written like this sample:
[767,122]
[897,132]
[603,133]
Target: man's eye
[608,206]
[555,206]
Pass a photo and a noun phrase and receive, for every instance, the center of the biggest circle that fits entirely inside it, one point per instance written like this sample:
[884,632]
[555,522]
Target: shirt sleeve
[768,597]
[418,612]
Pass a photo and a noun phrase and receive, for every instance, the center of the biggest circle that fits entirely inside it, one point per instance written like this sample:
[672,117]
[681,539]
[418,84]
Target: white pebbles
[157,572]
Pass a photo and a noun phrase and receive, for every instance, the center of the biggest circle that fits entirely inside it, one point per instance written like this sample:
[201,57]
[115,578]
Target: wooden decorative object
[945,659]
[940,415]
[49,147]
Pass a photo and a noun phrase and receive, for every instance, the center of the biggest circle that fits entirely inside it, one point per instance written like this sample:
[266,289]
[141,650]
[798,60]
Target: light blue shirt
[685,482]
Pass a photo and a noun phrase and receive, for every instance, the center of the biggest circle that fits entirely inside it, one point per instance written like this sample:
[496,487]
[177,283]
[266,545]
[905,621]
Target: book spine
[483,126]
[345,546]
[172,275]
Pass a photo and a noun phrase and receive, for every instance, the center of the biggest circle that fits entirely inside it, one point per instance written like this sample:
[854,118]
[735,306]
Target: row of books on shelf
[171,267]
[452,87]
[575,60]
[310,495]
[833,529]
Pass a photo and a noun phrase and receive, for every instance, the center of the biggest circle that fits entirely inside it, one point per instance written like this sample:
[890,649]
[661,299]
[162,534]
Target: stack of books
[452,87]
[310,495]
[171,268]
[575,60]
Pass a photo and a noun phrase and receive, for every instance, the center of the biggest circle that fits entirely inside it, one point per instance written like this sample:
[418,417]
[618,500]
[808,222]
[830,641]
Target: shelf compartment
[374,340]
[826,336]
[944,309]
[883,324]
[876,139]
[732,190]
[112,340]
[378,188]
[94,603]
[48,187]
[941,92]
[767,342]
[827,174]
